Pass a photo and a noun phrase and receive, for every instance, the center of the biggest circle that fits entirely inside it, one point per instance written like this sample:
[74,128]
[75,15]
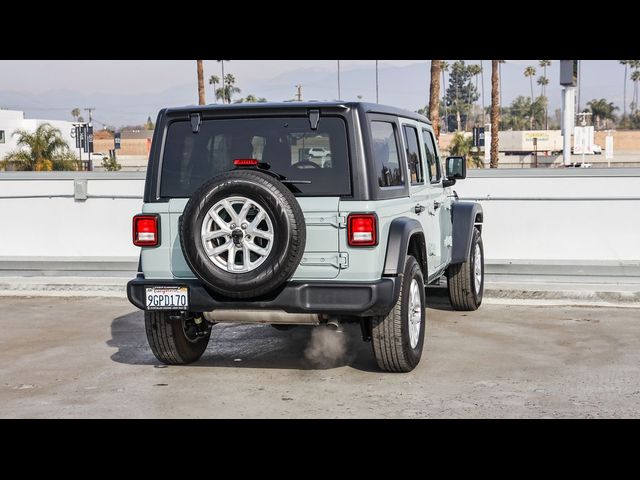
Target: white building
[12,120]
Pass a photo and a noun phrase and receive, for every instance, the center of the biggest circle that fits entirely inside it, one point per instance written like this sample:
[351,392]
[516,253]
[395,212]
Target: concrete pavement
[88,357]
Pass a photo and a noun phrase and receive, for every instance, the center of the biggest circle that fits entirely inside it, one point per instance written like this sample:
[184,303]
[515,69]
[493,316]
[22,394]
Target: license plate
[167,298]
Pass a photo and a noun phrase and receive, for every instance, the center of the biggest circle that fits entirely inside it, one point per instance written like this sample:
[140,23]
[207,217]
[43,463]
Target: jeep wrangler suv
[241,223]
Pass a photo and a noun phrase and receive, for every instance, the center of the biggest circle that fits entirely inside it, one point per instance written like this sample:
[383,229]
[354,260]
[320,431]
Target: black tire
[390,335]
[170,343]
[288,243]
[463,294]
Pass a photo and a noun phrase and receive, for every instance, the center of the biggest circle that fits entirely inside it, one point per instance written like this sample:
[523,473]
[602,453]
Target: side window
[414,159]
[385,153]
[433,162]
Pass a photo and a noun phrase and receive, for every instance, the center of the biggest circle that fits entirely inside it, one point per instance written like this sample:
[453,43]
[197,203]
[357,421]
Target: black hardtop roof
[367,107]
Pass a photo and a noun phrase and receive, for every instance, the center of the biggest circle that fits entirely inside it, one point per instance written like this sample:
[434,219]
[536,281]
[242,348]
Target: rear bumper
[339,298]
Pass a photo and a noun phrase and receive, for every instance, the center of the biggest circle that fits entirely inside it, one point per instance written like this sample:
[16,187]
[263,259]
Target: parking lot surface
[88,357]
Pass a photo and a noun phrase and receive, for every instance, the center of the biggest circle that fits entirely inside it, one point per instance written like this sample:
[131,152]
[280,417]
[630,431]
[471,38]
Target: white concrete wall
[550,217]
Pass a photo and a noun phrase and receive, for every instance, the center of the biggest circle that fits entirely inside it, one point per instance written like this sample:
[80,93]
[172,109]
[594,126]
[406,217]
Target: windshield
[318,159]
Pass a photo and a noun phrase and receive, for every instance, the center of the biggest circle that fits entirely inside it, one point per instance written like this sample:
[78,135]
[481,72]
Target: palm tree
[601,110]
[227,91]
[544,64]
[434,96]
[530,72]
[222,64]
[444,66]
[75,113]
[543,82]
[201,100]
[495,111]
[482,85]
[44,149]
[475,70]
[624,88]
[635,78]
[214,80]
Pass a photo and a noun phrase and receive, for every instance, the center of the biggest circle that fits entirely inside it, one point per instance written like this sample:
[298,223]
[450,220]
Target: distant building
[12,120]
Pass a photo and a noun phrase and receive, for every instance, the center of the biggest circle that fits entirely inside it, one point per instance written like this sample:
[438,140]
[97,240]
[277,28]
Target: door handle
[419,209]
[436,205]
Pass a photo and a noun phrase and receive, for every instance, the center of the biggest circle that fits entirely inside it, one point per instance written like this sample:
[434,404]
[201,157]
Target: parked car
[230,232]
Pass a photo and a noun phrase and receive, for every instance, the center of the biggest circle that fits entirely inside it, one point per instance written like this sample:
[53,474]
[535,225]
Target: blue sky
[129,91]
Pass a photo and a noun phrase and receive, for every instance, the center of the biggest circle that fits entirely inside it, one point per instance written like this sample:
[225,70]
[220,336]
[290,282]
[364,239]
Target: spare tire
[243,233]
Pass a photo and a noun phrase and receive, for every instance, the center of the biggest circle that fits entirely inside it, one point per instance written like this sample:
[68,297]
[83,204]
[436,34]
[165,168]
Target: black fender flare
[400,232]
[463,216]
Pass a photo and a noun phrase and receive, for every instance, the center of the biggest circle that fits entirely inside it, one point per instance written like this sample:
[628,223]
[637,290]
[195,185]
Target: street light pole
[377,100]
[339,96]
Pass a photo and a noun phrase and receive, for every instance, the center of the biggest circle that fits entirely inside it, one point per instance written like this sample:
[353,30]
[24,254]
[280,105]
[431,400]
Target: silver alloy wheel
[477,270]
[415,313]
[237,234]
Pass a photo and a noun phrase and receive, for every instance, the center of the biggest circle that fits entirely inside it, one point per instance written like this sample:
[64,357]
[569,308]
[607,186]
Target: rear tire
[465,289]
[173,340]
[397,344]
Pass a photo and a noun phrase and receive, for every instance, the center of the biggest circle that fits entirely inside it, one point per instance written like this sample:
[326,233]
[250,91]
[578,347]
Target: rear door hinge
[448,240]
[343,260]
[342,221]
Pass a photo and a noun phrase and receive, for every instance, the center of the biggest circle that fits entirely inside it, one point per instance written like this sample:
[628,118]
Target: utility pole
[89,129]
[568,79]
[377,98]
[339,80]
[299,92]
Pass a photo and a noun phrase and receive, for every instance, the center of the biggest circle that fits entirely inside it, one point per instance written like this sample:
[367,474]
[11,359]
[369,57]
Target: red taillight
[145,231]
[245,162]
[362,230]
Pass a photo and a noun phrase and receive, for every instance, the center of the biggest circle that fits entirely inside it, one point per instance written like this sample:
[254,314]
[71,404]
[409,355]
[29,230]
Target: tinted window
[414,159]
[433,163]
[385,153]
[287,145]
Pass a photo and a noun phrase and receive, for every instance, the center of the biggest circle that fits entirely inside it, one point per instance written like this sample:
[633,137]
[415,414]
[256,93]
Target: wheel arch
[406,237]
[465,216]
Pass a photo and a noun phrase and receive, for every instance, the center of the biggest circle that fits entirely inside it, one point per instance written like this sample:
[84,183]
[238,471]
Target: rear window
[288,145]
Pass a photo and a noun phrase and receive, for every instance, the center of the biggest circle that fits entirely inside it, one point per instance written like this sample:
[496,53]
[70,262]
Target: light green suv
[241,223]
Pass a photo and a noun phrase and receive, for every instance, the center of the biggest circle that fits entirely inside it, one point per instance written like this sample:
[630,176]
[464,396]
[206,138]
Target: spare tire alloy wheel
[243,234]
[237,234]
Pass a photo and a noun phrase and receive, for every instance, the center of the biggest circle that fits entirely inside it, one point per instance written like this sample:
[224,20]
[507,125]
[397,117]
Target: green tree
[75,113]
[522,114]
[214,80]
[229,88]
[544,64]
[149,124]
[602,110]
[110,164]
[474,71]
[41,150]
[461,93]
[251,98]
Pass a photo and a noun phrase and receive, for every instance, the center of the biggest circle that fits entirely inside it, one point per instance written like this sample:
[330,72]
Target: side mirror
[456,168]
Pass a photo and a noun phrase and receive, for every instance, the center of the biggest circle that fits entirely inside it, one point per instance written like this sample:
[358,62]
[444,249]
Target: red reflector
[362,230]
[145,231]
[244,162]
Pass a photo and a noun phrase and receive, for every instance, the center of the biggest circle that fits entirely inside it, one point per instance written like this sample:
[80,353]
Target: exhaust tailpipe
[334,325]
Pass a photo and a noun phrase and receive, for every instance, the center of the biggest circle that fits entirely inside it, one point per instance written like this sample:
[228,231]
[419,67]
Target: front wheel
[465,281]
[176,340]
[397,338]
